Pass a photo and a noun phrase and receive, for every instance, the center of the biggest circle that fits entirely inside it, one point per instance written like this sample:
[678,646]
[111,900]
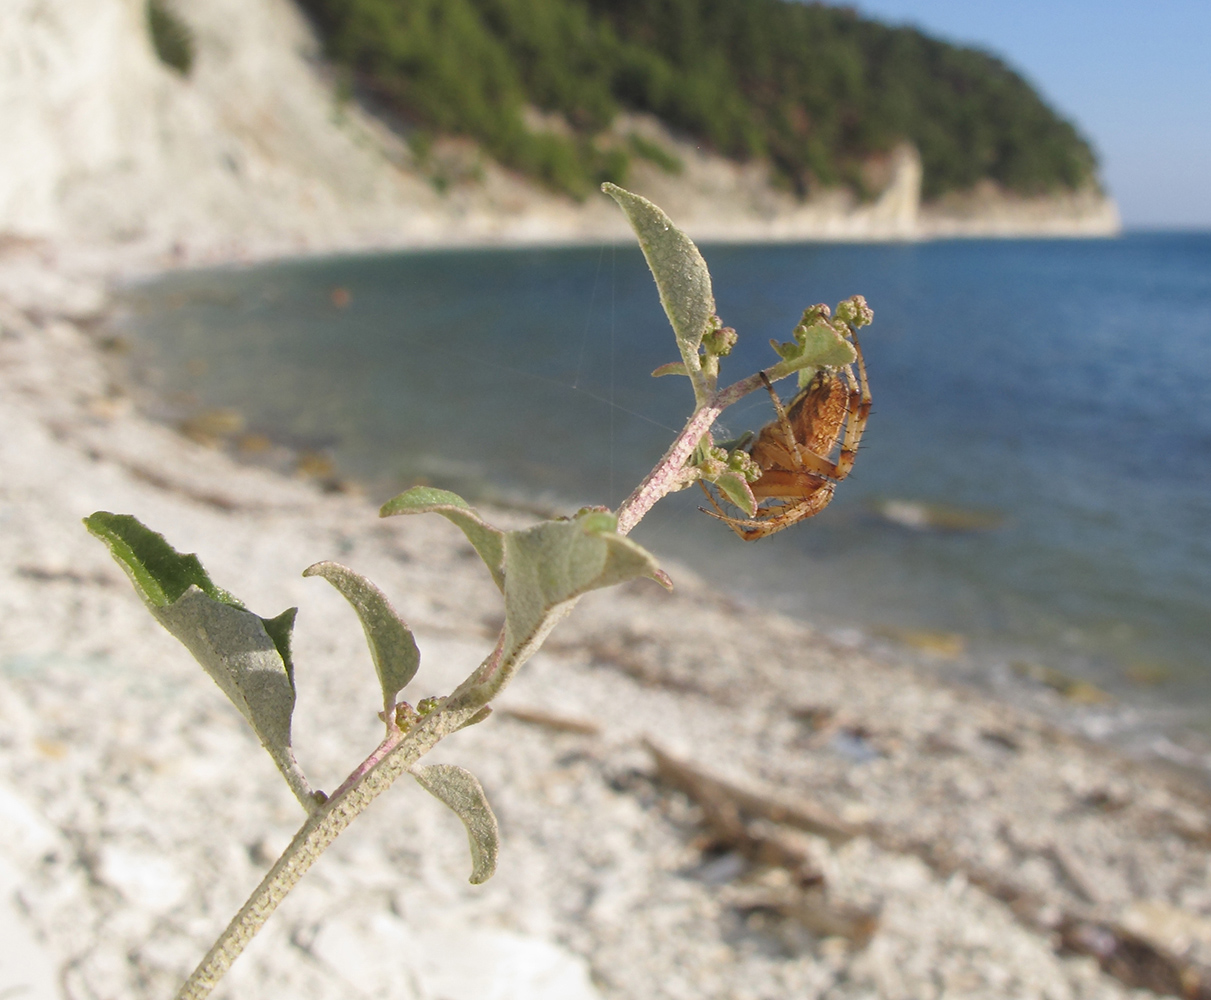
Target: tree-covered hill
[817,90]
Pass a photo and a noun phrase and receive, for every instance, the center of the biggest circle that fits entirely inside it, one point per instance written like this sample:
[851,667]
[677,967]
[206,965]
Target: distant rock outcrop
[252,154]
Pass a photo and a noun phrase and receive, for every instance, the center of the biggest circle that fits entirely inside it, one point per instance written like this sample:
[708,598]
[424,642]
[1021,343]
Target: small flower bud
[720,342]
[405,716]
[742,462]
[855,312]
[819,313]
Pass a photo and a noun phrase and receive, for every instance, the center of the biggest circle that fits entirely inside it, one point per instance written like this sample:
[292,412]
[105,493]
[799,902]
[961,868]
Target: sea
[1032,498]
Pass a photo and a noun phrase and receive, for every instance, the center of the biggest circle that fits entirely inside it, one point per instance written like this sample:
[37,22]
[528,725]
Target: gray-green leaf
[462,792]
[680,272]
[547,567]
[487,540]
[392,647]
[236,649]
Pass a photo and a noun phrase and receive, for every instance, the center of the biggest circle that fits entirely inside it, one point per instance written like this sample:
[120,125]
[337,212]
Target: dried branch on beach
[754,821]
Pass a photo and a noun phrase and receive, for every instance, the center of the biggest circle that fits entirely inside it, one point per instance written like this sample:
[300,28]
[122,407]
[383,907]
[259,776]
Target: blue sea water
[1064,386]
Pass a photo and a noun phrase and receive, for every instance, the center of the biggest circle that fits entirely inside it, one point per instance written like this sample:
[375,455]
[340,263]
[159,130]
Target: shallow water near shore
[1058,394]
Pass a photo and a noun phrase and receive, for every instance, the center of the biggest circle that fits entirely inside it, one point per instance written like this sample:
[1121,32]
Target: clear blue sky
[1133,75]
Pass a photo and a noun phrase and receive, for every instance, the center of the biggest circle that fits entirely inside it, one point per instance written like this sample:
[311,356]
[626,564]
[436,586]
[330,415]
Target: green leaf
[736,488]
[825,347]
[159,573]
[817,346]
[547,567]
[487,540]
[680,272]
[392,647]
[420,499]
[462,792]
[672,368]
[280,630]
[238,651]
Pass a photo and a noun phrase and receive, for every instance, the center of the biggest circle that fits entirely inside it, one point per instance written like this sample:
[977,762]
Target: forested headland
[816,91]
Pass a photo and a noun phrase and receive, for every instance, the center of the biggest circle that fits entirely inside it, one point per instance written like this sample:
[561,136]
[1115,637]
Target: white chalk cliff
[252,154]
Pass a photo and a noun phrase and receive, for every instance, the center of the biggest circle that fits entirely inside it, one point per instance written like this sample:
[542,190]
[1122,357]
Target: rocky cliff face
[251,154]
[109,146]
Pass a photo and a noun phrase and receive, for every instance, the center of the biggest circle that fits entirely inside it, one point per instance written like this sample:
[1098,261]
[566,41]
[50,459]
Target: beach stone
[27,965]
[384,956]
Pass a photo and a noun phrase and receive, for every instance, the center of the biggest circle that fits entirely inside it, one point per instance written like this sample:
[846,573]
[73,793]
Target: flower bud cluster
[719,340]
[822,339]
[717,343]
[718,461]
[855,312]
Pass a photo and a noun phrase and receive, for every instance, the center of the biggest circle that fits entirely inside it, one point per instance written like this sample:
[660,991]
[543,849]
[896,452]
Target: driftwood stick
[751,823]
[1121,953]
[801,814]
[550,720]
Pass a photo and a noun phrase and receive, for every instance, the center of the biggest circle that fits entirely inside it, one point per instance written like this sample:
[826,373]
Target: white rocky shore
[254,154]
[883,834]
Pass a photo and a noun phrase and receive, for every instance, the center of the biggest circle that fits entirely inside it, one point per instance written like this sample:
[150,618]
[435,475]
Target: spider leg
[774,517]
[859,411]
[809,506]
[781,516]
[736,524]
[784,424]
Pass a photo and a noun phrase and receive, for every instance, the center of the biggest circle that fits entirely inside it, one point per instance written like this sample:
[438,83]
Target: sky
[1134,76]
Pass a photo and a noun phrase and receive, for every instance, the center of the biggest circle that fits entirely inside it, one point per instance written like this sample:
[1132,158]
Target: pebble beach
[835,822]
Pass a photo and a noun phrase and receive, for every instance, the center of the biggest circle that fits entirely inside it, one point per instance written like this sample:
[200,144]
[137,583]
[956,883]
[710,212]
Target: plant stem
[395,755]
[401,750]
[668,476]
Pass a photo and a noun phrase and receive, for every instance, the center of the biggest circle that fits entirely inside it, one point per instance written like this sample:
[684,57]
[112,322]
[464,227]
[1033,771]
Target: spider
[793,451]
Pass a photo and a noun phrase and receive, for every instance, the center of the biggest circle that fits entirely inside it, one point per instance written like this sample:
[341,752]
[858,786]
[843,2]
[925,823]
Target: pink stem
[669,473]
[390,743]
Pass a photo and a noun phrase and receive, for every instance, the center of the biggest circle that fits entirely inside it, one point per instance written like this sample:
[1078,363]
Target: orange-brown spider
[798,476]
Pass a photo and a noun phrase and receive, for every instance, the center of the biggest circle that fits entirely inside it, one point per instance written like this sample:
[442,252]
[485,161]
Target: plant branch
[401,750]
[738,390]
[669,474]
[371,778]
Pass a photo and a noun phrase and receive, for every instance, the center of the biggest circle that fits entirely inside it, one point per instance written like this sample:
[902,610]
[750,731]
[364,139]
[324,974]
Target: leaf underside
[547,567]
[487,540]
[392,646]
[827,348]
[681,274]
[542,570]
[736,488]
[461,791]
[818,346]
